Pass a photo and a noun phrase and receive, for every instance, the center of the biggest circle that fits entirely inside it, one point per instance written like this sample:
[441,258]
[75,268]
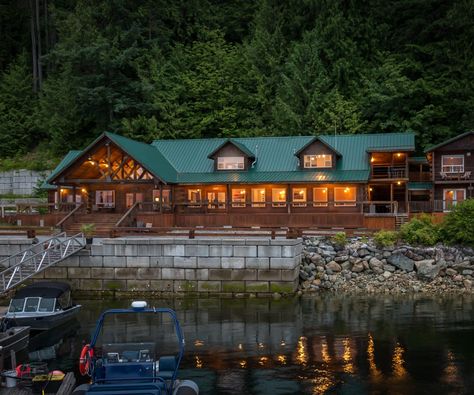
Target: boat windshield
[137,337]
[32,305]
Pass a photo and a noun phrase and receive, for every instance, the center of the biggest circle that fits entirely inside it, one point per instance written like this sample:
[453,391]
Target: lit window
[278,197]
[299,197]
[345,196]
[166,197]
[216,199]
[452,163]
[230,162]
[323,160]
[258,197]
[320,197]
[194,196]
[238,197]
[453,197]
[105,199]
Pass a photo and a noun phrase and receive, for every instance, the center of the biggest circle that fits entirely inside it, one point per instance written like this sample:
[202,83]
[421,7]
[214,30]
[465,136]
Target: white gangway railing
[33,260]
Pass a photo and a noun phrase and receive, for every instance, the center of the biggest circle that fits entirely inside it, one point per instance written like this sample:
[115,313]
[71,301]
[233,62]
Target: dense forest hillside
[207,68]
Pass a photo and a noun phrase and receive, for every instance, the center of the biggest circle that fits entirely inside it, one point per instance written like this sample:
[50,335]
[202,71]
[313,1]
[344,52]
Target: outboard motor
[186,387]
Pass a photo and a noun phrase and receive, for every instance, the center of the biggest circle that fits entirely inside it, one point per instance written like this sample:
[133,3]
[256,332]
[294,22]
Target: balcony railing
[431,206]
[392,172]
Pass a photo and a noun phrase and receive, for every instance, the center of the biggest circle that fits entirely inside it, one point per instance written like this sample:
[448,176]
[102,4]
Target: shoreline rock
[362,267]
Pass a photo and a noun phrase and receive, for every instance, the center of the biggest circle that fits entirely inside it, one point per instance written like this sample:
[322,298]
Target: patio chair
[443,175]
[466,175]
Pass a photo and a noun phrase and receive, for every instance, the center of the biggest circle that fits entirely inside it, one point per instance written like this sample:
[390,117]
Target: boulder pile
[361,266]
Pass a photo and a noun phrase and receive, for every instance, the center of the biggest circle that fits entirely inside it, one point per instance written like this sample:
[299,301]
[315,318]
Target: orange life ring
[85,359]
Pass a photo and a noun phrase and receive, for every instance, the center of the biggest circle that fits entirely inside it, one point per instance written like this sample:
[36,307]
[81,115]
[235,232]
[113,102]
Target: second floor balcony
[388,172]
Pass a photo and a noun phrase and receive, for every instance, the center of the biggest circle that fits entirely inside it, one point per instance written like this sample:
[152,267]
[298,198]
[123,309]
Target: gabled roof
[66,162]
[459,136]
[313,140]
[236,144]
[150,158]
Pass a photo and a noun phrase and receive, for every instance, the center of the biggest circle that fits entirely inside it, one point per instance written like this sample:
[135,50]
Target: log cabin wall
[463,146]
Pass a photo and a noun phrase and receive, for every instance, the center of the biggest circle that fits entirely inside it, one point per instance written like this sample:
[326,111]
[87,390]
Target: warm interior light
[83,190]
[399,183]
[325,190]
[372,159]
[62,190]
[324,156]
[157,199]
[262,192]
[282,192]
[301,192]
[370,189]
[399,155]
[242,192]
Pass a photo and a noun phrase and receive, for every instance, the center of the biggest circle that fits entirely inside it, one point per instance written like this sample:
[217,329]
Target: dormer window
[230,163]
[317,161]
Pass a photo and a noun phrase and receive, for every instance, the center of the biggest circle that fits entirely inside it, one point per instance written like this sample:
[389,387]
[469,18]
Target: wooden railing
[129,217]
[69,216]
[385,171]
[431,206]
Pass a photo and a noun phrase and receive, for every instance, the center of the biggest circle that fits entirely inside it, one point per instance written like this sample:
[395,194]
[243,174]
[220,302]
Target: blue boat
[128,354]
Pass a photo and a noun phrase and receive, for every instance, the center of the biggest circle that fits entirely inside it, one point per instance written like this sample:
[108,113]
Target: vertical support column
[289,198]
[391,197]
[74,195]
[161,198]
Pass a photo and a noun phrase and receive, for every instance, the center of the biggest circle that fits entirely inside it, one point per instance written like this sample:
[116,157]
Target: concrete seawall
[178,265]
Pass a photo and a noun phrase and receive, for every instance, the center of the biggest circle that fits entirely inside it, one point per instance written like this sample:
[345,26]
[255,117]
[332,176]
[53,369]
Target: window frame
[215,202]
[105,203]
[321,203]
[194,203]
[239,161]
[277,203]
[258,203]
[453,202]
[238,203]
[299,203]
[345,203]
[443,166]
[156,195]
[307,160]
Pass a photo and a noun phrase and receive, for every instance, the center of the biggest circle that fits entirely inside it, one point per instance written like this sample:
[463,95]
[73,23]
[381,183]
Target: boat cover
[43,289]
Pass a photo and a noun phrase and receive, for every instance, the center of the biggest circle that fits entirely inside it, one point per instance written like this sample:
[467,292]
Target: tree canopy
[213,68]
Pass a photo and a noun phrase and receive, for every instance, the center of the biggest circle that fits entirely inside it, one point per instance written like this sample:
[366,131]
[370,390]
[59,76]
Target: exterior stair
[33,260]
[104,223]
[400,219]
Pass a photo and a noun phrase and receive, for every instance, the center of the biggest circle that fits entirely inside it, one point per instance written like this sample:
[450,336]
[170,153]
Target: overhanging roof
[236,144]
[419,186]
[459,136]
[315,139]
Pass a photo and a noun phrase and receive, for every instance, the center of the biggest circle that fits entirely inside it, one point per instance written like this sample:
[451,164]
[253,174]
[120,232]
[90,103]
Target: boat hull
[38,322]
[14,339]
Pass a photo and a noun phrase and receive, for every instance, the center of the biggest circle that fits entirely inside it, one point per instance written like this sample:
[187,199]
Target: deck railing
[391,172]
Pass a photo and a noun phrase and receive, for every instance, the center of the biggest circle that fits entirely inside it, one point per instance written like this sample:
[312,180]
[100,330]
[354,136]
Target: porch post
[59,197]
[161,198]
[227,198]
[391,197]
[289,198]
[74,195]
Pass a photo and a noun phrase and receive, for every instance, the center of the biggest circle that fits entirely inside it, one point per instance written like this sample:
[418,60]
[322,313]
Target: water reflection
[333,345]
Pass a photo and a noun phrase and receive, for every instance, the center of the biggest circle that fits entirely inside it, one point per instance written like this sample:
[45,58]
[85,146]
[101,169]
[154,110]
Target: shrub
[458,225]
[385,238]
[420,230]
[339,239]
[88,229]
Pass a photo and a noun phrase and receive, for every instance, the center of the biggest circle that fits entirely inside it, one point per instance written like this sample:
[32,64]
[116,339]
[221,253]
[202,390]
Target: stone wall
[220,265]
[19,182]
[11,245]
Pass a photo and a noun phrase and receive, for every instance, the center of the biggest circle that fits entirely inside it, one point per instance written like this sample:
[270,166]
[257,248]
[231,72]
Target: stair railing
[34,261]
[69,216]
[128,215]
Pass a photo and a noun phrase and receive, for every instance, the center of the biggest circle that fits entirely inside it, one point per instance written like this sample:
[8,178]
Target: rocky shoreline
[362,267]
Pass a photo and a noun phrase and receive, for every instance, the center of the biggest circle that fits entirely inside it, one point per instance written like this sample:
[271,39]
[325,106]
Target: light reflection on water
[319,345]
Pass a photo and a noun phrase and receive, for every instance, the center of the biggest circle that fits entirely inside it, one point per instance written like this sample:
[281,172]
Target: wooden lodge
[347,181]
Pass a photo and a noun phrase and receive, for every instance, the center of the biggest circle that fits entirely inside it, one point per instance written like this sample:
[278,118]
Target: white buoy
[139,305]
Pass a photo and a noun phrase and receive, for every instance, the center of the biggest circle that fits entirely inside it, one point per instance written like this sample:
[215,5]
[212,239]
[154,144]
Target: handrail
[27,267]
[64,219]
[129,212]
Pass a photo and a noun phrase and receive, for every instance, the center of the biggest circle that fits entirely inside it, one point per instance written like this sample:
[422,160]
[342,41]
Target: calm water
[317,345]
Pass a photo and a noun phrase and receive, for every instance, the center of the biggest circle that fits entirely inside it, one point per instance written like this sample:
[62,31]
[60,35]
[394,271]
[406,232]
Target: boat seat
[130,356]
[128,370]
[166,366]
[127,389]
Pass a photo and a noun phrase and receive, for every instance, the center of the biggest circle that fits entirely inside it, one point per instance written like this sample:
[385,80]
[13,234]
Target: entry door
[131,198]
[451,197]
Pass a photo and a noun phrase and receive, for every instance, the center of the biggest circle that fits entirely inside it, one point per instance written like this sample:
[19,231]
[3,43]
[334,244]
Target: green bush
[420,230]
[458,225]
[339,239]
[385,238]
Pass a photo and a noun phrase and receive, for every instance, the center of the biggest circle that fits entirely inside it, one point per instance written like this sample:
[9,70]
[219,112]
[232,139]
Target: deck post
[288,198]
[161,198]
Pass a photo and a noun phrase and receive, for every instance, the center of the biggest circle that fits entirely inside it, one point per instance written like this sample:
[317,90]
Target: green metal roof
[276,154]
[418,159]
[67,160]
[147,155]
[433,147]
[187,161]
[419,186]
[314,139]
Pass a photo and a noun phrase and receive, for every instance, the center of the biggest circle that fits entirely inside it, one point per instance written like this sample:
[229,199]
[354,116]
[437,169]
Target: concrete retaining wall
[11,245]
[225,265]
[19,182]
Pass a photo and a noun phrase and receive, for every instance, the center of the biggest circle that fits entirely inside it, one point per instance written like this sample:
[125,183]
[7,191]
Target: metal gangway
[27,263]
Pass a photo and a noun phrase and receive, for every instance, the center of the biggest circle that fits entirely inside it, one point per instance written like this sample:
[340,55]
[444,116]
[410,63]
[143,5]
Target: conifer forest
[150,69]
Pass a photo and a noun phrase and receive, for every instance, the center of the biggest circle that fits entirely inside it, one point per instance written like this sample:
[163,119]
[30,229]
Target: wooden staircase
[104,223]
[400,219]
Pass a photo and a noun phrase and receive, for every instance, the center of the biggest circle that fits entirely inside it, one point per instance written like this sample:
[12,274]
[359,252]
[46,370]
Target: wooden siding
[462,146]
[379,222]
